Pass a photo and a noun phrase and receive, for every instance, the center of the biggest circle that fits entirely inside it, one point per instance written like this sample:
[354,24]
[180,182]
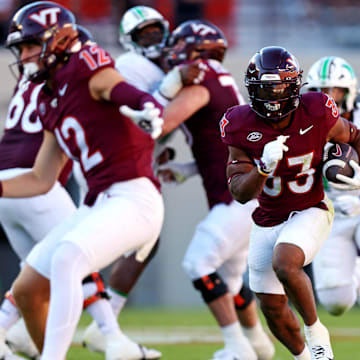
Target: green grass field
[192,334]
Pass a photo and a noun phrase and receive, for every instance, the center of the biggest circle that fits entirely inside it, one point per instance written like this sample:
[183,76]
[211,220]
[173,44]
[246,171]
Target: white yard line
[184,335]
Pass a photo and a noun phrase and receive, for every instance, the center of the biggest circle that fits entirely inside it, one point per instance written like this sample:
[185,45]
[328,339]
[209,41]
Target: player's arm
[346,132]
[244,180]
[188,101]
[48,165]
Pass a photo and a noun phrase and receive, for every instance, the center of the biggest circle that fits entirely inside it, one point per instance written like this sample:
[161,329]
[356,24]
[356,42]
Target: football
[336,161]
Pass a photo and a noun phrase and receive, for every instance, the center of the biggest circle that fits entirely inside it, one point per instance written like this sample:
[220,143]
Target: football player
[81,89]
[336,267]
[23,219]
[143,33]
[201,107]
[276,146]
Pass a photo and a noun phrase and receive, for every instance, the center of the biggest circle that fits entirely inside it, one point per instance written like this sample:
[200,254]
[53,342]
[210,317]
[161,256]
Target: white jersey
[139,71]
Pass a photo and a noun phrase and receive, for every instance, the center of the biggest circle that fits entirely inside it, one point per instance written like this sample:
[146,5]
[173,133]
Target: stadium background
[308,28]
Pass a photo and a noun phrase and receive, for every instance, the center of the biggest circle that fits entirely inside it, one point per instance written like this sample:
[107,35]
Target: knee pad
[96,279]
[211,287]
[243,298]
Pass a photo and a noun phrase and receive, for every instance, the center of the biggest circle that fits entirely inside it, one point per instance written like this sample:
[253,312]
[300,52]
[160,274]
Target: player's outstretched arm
[48,165]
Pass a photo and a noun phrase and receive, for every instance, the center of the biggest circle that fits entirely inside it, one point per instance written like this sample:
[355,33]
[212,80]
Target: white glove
[147,119]
[272,154]
[173,82]
[174,172]
[349,205]
[348,182]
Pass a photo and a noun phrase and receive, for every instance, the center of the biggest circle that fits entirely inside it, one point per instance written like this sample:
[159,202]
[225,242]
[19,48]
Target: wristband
[126,94]
[262,171]
[163,100]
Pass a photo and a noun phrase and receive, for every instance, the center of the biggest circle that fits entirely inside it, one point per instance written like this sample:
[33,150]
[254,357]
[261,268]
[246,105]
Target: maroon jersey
[23,129]
[109,146]
[296,183]
[23,133]
[207,148]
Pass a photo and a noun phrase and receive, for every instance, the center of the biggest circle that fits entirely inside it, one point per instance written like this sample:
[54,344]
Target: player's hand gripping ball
[337,161]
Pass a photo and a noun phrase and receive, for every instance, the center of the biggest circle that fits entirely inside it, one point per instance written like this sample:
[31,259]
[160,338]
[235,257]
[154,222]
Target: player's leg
[208,250]
[295,244]
[32,292]
[26,222]
[232,271]
[124,274]
[125,223]
[334,267]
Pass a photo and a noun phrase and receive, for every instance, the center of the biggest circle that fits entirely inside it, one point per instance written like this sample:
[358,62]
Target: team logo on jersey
[46,17]
[254,136]
[223,122]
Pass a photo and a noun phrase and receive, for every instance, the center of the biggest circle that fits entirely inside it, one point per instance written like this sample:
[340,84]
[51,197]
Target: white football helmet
[137,18]
[333,71]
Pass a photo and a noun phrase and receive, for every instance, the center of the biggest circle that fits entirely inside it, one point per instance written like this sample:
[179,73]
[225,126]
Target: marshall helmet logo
[254,136]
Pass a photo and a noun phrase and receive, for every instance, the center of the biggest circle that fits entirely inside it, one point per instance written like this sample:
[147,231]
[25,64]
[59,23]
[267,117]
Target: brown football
[336,161]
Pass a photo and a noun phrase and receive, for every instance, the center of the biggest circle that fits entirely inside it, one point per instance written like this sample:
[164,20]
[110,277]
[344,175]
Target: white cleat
[263,346]
[120,347]
[243,351]
[227,354]
[321,352]
[19,340]
[116,347]
[5,352]
[93,339]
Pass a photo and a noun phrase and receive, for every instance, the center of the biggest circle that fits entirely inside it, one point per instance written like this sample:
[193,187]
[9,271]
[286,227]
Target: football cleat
[227,354]
[321,352]
[19,340]
[93,339]
[116,347]
[5,352]
[263,346]
[244,351]
[120,347]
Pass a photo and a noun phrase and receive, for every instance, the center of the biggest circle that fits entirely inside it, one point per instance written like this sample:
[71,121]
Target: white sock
[9,314]
[316,333]
[305,354]
[102,312]
[253,332]
[117,300]
[231,334]
[69,266]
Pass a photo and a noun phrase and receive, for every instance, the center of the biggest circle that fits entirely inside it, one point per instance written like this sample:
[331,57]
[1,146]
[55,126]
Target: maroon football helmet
[47,24]
[195,39]
[84,34]
[273,80]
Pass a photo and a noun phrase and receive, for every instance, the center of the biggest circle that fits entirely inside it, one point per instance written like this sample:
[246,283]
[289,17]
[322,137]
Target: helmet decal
[46,17]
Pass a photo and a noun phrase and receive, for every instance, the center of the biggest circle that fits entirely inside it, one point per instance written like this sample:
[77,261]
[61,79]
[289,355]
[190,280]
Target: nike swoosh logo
[302,132]
[63,90]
